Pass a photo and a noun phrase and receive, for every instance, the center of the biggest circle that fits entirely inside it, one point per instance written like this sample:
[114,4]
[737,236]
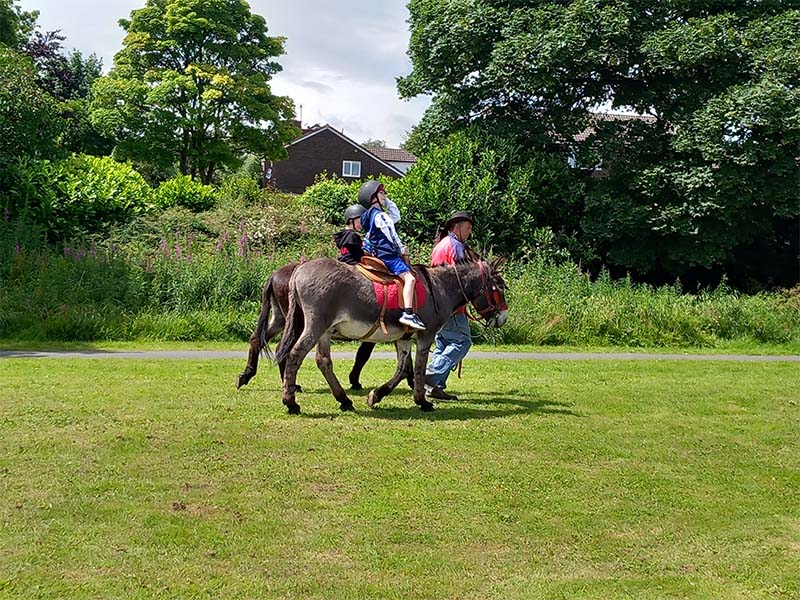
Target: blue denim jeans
[453,341]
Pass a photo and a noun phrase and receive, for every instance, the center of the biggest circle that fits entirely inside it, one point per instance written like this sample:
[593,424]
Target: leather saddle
[376,271]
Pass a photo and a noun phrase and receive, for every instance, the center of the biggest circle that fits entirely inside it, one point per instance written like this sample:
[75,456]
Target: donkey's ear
[499,263]
[471,254]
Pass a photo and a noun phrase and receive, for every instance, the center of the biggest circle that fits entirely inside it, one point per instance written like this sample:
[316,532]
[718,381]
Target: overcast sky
[340,64]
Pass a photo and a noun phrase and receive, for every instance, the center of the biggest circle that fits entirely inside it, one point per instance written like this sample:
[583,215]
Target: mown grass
[155,479]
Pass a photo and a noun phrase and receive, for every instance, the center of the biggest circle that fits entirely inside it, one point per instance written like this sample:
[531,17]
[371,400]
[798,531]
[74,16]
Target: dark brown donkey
[328,299]
[274,306]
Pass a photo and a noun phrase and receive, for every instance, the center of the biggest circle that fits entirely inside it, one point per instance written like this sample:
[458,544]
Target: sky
[340,65]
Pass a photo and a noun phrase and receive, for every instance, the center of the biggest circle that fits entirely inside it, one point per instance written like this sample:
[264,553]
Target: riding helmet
[353,212]
[367,191]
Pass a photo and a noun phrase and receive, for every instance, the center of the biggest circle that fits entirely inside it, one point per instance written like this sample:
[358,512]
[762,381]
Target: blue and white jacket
[381,238]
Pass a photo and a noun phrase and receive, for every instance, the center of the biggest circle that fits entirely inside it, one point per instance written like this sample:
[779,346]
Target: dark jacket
[350,246]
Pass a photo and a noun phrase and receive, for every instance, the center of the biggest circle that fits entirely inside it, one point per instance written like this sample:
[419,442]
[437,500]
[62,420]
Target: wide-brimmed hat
[459,215]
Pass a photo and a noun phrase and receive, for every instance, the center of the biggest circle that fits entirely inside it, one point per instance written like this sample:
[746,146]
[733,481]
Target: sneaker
[438,393]
[412,321]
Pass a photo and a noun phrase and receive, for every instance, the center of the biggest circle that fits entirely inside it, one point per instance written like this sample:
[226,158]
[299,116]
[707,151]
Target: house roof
[393,154]
[316,129]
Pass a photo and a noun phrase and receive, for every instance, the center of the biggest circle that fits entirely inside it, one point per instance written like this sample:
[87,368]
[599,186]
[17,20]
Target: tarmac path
[478,354]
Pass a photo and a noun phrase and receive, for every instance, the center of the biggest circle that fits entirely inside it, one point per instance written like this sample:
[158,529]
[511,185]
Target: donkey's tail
[263,319]
[294,326]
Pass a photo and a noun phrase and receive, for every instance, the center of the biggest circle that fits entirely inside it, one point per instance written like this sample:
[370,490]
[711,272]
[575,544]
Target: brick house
[322,149]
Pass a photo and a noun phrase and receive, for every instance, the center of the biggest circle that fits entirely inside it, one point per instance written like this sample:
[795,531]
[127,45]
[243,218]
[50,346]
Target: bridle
[489,291]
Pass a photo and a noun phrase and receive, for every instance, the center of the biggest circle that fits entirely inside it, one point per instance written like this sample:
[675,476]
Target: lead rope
[463,293]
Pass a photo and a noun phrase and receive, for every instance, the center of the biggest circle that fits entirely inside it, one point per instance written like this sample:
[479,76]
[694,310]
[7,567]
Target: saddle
[377,272]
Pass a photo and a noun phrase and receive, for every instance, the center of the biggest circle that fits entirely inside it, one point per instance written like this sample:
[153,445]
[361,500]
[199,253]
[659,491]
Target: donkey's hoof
[355,385]
[243,379]
[347,407]
[425,406]
[298,389]
[373,398]
[293,409]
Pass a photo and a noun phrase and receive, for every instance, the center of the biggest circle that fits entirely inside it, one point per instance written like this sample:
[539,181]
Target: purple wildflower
[16,249]
[222,240]
[164,248]
[178,251]
[6,214]
[79,254]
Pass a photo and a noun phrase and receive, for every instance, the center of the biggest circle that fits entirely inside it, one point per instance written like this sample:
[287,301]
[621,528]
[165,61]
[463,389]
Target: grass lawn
[551,479]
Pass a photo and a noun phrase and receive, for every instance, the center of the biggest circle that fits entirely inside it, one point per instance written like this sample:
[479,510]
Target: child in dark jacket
[349,243]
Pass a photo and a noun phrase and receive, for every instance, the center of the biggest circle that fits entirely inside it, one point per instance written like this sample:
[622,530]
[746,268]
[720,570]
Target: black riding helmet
[367,191]
[353,212]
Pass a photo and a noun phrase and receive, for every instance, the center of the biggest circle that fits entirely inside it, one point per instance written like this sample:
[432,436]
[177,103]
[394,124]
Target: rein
[492,304]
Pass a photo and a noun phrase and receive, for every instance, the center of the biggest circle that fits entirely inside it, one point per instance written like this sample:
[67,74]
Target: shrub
[182,190]
[510,194]
[240,191]
[82,194]
[330,196]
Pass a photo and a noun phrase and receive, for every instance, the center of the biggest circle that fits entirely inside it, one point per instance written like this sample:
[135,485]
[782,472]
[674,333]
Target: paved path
[478,354]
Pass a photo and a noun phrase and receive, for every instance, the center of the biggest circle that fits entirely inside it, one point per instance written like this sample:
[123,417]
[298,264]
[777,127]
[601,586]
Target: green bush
[81,194]
[184,191]
[331,196]
[510,196]
[238,191]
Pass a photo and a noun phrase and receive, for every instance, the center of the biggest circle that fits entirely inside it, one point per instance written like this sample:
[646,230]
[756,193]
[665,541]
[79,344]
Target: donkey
[271,321]
[327,298]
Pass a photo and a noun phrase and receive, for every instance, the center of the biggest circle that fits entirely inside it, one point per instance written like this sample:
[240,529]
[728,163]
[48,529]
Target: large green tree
[29,117]
[191,88]
[15,24]
[712,172]
[68,78]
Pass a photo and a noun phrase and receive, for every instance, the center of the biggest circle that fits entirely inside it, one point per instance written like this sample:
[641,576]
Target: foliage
[509,195]
[182,190]
[15,24]
[370,143]
[331,196]
[710,173]
[75,196]
[559,305]
[191,86]
[180,275]
[29,119]
[69,78]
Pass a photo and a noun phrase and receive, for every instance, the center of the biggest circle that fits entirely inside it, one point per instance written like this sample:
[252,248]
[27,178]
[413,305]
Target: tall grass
[559,305]
[199,277]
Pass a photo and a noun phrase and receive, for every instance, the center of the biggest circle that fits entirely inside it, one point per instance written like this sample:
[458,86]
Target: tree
[191,86]
[68,78]
[15,24]
[711,173]
[370,143]
[29,118]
